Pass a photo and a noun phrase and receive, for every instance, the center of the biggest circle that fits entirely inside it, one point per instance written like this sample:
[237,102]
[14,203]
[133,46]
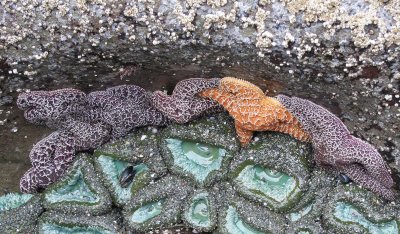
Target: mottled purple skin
[46,107]
[52,156]
[184,105]
[124,107]
[336,149]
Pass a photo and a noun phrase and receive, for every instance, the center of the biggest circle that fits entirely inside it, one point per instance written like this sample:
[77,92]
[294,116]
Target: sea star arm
[320,123]
[187,89]
[225,99]
[354,150]
[167,105]
[64,156]
[44,106]
[102,100]
[42,156]
[184,104]
[36,179]
[88,135]
[132,92]
[243,134]
[359,175]
[41,153]
[295,130]
[240,87]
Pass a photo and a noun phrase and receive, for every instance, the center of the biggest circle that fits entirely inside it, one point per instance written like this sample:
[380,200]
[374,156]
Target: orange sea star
[253,111]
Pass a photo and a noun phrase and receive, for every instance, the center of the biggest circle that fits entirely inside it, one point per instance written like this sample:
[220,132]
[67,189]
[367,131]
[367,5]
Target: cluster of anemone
[85,122]
[194,172]
[196,175]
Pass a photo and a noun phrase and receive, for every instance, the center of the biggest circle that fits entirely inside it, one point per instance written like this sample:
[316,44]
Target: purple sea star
[336,149]
[52,156]
[184,105]
[124,107]
[46,107]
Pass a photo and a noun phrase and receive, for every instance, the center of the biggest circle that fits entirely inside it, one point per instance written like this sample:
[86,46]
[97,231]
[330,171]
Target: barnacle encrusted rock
[201,150]
[274,171]
[19,212]
[351,209]
[80,191]
[56,222]
[310,34]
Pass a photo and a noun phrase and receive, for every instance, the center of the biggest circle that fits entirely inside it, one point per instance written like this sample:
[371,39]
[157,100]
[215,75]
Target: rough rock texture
[333,34]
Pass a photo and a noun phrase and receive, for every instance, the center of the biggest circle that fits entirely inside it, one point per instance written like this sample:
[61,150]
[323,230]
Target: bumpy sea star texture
[253,111]
[52,156]
[336,149]
[124,107]
[184,105]
[46,107]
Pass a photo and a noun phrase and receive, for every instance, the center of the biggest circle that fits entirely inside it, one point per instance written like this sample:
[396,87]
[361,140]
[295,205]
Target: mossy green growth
[157,205]
[138,147]
[111,169]
[237,214]
[19,212]
[197,158]
[295,216]
[13,200]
